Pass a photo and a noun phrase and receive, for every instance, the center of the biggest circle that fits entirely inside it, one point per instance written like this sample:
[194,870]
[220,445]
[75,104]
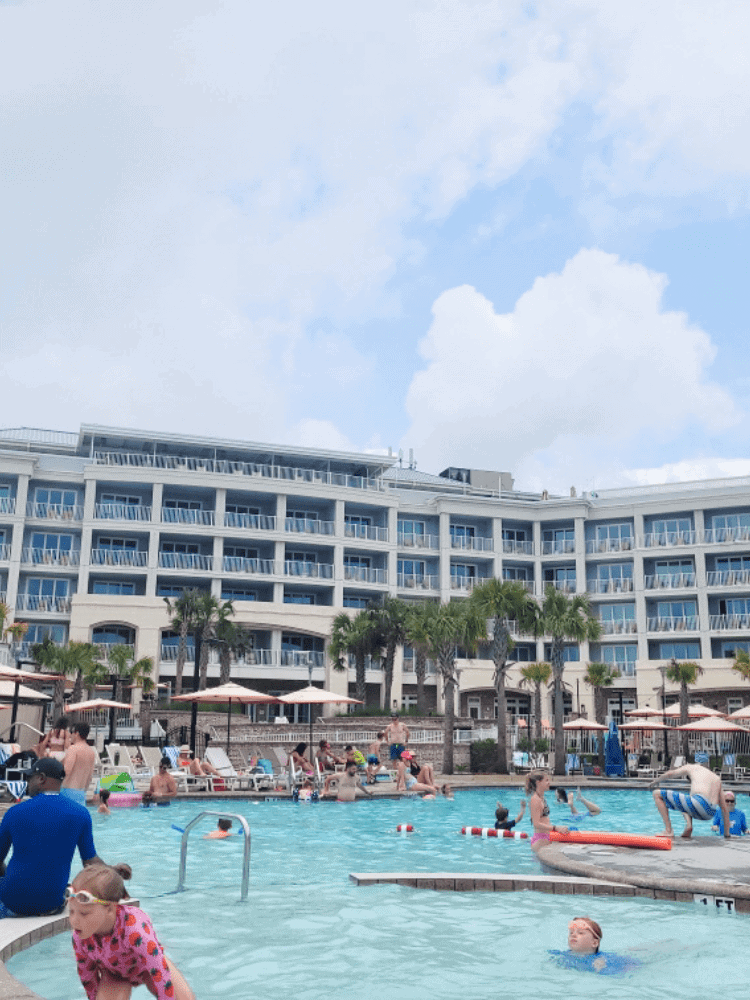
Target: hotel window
[183,504]
[358,562]
[621,531]
[186,548]
[237,508]
[678,650]
[113,587]
[729,648]
[355,602]
[43,587]
[562,575]
[118,544]
[734,606]
[298,556]
[411,567]
[4,491]
[356,525]
[461,531]
[38,633]
[240,552]
[676,609]
[571,654]
[671,526]
[299,598]
[238,594]
[411,532]
[51,543]
[730,521]
[672,567]
[463,571]
[617,612]
[621,657]
[558,540]
[524,653]
[515,535]
[614,571]
[732,563]
[120,498]
[56,498]
[517,573]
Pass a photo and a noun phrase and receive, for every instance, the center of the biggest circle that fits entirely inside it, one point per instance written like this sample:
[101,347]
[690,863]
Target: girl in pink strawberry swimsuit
[115,945]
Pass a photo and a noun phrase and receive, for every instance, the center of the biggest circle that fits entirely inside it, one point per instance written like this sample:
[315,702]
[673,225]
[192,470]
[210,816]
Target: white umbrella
[585,725]
[230,693]
[694,712]
[95,703]
[316,696]
[741,713]
[712,725]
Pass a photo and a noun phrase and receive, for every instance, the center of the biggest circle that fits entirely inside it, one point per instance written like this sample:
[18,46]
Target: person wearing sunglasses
[115,944]
[44,832]
[737,820]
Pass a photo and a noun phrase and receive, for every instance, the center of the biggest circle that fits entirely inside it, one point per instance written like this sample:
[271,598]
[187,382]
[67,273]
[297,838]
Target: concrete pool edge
[17,934]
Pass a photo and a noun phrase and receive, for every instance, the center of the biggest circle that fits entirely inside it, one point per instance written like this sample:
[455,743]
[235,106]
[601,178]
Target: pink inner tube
[122,800]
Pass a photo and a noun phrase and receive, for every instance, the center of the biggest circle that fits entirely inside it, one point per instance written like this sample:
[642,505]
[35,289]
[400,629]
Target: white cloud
[586,366]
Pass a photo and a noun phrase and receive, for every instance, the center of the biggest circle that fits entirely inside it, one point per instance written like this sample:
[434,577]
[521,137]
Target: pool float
[612,838]
[123,800]
[404,828]
[489,831]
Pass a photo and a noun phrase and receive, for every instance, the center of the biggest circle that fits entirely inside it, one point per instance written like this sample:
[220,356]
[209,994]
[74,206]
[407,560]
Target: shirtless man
[163,787]
[373,758]
[705,795]
[397,734]
[348,783]
[79,762]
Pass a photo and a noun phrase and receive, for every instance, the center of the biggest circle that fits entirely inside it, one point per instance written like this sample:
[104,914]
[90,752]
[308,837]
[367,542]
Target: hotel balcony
[477,543]
[178,463]
[177,515]
[726,536]
[302,658]
[4,552]
[54,511]
[730,623]
[120,557]
[185,560]
[169,653]
[626,627]
[409,664]
[7,505]
[562,547]
[368,531]
[511,547]
[239,564]
[365,574]
[728,578]
[618,586]
[121,512]
[262,522]
[608,545]
[669,539]
[467,583]
[418,581]
[564,586]
[51,557]
[323,571]
[686,623]
[39,603]
[308,526]
[669,581]
[410,540]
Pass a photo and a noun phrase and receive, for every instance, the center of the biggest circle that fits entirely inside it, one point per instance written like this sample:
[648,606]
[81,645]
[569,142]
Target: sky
[505,235]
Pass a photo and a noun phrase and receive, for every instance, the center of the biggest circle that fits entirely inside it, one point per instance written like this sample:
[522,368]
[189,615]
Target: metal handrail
[245,858]
[17,724]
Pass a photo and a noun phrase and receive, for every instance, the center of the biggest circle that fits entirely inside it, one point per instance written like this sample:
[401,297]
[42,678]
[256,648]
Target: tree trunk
[181,658]
[502,729]
[225,662]
[58,697]
[599,716]
[205,650]
[359,661]
[537,711]
[557,674]
[449,720]
[145,716]
[684,702]
[420,669]
[390,656]
[77,688]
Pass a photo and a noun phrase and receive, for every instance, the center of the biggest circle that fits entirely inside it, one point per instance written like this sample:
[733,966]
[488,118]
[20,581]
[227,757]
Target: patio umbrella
[615,762]
[95,703]
[712,725]
[584,726]
[230,694]
[694,712]
[316,696]
[644,712]
[742,714]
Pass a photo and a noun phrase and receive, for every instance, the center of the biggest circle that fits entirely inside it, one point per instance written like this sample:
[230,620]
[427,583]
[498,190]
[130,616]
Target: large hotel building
[96,528]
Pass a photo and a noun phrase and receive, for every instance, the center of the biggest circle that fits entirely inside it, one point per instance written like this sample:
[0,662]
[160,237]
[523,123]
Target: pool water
[307,932]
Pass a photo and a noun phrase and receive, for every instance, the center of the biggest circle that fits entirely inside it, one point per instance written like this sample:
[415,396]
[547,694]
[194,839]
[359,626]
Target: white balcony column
[704,619]
[580,554]
[536,533]
[444,550]
[218,560]
[157,497]
[392,557]
[16,545]
[339,542]
[497,545]
[89,502]
[153,559]
[397,687]
[639,591]
[220,508]
[279,550]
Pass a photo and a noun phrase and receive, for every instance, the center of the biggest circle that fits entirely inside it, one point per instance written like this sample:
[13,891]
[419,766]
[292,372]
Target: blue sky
[505,235]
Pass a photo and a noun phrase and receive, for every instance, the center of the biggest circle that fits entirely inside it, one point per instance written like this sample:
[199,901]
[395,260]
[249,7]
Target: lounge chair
[284,769]
[186,782]
[573,764]
[217,757]
[119,760]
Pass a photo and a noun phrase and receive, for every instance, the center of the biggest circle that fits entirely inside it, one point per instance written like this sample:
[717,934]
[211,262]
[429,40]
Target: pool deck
[17,934]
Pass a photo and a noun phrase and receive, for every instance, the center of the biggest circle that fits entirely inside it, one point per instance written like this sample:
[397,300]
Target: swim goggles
[82,896]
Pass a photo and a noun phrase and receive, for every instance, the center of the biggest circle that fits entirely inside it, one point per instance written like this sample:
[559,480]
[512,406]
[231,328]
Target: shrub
[541,746]
[483,756]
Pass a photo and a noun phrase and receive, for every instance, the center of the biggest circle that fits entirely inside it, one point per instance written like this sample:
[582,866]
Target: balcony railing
[669,538]
[260,657]
[684,623]
[7,505]
[296,567]
[39,603]
[122,512]
[623,585]
[477,543]
[418,581]
[226,467]
[627,626]
[562,546]
[239,564]
[725,536]
[512,547]
[409,665]
[302,658]
[51,557]
[365,574]
[169,653]
[308,526]
[264,522]
[177,515]
[724,623]
[54,511]
[412,540]
[119,557]
[467,583]
[369,531]
[608,545]
[564,586]
[728,578]
[105,648]
[4,552]
[669,581]
[185,560]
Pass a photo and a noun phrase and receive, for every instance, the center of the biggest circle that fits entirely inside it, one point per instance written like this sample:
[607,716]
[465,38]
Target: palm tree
[416,635]
[685,674]
[742,663]
[119,659]
[209,616]
[392,617]
[599,676]
[562,617]
[233,641]
[501,602]
[536,674]
[359,637]
[88,670]
[182,612]
[79,659]
[446,627]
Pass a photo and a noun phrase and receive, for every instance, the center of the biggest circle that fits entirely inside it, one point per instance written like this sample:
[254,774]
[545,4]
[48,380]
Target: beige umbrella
[644,712]
[694,712]
[647,724]
[12,674]
[316,696]
[95,703]
[712,725]
[230,694]
[584,725]
[741,713]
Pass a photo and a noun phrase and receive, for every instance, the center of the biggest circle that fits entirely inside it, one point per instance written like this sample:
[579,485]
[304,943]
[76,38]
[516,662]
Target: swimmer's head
[106,882]
[501,814]
[300,749]
[225,825]
[534,779]
[584,936]
[351,767]
[561,795]
[104,795]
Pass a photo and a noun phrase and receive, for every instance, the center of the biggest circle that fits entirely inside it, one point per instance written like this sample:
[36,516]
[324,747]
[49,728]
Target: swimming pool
[307,932]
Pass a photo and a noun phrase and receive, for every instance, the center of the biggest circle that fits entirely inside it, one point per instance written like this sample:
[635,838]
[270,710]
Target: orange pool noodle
[612,839]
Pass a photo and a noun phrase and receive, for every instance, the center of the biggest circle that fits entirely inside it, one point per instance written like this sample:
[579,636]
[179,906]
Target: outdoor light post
[196,683]
[663,672]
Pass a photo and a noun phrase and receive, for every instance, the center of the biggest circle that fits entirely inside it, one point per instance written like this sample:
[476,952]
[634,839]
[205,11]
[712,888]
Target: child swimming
[115,945]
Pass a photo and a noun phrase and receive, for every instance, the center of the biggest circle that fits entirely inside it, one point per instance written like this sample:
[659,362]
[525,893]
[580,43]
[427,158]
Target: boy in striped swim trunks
[706,793]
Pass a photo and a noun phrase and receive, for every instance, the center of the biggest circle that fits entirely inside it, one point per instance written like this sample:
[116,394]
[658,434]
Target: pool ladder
[245,858]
